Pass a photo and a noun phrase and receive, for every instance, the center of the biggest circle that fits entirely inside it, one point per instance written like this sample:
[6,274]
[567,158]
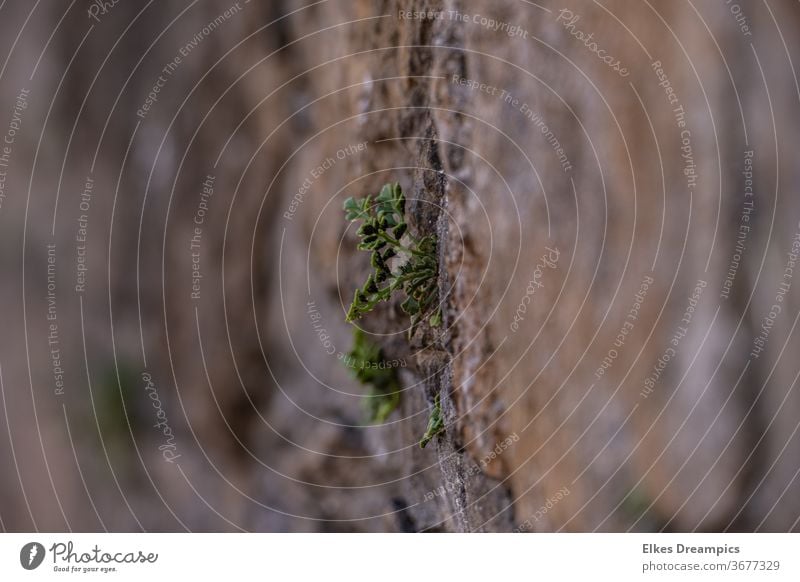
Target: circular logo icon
[31,555]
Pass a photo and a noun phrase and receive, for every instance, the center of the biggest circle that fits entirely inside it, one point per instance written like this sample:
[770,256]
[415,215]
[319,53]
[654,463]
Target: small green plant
[364,360]
[400,261]
[403,263]
[435,424]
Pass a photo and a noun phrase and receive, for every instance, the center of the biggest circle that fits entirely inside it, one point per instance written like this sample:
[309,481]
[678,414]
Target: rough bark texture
[268,424]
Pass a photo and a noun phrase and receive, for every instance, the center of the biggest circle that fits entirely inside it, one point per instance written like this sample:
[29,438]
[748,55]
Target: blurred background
[613,187]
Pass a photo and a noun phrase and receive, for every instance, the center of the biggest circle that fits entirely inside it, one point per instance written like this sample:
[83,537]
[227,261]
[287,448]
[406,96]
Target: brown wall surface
[613,189]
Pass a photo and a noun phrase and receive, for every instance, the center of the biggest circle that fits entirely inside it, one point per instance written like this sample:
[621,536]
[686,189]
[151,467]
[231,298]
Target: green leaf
[399,199]
[410,306]
[351,209]
[435,424]
[376,260]
[370,286]
[386,194]
[366,229]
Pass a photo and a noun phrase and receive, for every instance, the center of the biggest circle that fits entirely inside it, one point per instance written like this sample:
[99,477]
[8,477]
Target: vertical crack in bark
[475,501]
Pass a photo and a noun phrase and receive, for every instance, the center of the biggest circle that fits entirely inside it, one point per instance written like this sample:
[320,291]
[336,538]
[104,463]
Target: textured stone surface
[269,425]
